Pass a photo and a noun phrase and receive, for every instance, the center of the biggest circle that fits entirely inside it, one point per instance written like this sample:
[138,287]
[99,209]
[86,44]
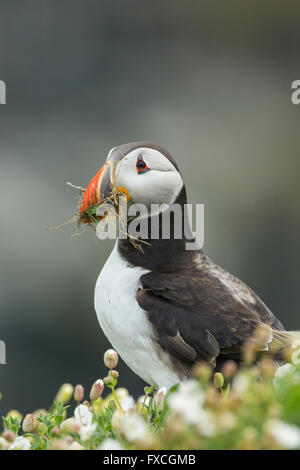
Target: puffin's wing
[196,318]
[180,338]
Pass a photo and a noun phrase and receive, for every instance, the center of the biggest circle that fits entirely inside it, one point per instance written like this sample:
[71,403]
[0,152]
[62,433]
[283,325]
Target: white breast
[126,325]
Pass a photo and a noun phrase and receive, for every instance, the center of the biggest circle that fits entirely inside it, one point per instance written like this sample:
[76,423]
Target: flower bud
[108,381]
[56,431]
[70,425]
[113,373]
[218,380]
[64,394]
[28,423]
[78,393]
[37,412]
[14,414]
[96,390]
[8,435]
[159,398]
[111,358]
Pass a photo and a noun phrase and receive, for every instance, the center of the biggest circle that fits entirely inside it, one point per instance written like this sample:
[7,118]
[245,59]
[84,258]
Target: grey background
[208,80]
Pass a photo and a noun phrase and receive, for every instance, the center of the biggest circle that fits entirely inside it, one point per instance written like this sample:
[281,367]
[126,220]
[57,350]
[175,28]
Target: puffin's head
[146,173]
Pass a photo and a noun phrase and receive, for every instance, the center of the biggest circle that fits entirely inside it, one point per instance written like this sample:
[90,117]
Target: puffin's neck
[161,254]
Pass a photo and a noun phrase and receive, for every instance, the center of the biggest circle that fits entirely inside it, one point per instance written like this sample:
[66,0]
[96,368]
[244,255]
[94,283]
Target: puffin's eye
[141,165]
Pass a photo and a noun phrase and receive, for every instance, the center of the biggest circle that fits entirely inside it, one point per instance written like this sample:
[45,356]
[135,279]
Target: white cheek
[153,187]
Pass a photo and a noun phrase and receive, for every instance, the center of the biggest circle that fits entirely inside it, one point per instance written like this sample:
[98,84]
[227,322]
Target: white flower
[188,401]
[127,403]
[87,431]
[83,415]
[281,372]
[121,392]
[133,427]
[20,443]
[286,435]
[159,397]
[110,444]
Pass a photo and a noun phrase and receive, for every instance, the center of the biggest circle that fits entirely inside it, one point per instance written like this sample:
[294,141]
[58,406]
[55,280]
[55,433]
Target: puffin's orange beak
[96,191]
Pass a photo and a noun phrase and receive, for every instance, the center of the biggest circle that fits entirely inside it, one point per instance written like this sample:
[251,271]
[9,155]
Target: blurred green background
[208,80]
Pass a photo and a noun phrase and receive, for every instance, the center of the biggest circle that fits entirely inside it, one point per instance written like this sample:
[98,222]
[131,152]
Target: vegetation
[257,407]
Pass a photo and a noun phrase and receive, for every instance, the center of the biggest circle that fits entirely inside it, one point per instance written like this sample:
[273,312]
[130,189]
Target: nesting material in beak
[101,190]
[103,193]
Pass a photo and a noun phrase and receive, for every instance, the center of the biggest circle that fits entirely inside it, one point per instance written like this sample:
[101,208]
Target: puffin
[164,308]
